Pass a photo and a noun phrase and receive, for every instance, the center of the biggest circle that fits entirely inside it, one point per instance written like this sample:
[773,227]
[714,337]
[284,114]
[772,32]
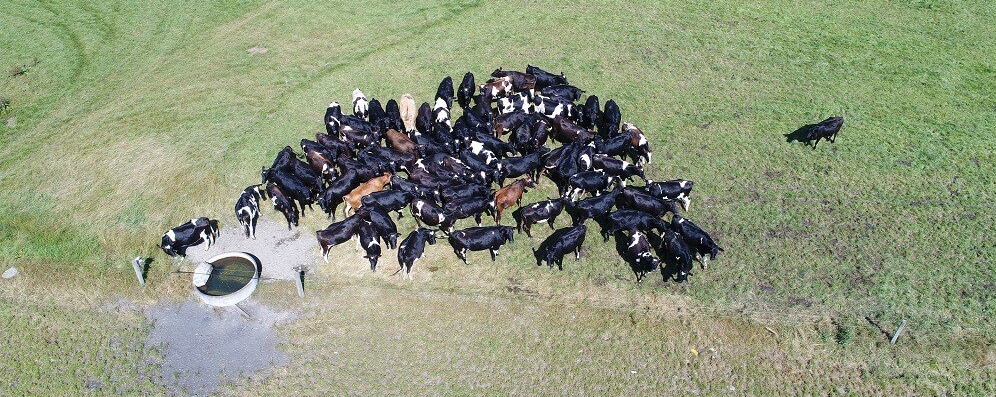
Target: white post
[299,280]
[138,263]
[899,331]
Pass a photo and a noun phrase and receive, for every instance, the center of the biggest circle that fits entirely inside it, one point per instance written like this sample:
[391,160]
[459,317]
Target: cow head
[264,175]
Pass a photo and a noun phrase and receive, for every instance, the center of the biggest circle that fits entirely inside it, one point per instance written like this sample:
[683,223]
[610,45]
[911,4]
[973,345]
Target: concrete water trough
[227,279]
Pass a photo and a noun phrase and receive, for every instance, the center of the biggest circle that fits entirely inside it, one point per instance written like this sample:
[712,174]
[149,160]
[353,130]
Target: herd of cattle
[458,169]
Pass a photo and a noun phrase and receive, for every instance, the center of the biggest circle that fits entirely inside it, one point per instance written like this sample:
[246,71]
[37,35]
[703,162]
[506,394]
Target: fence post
[299,280]
[899,331]
[138,263]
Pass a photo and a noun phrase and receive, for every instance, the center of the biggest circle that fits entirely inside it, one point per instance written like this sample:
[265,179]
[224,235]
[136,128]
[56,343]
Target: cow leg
[477,217]
[577,253]
[494,255]
[705,262]
[527,226]
[550,222]
[325,253]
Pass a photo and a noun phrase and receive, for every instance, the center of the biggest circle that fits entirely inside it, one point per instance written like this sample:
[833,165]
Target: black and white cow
[560,243]
[360,104]
[368,241]
[466,90]
[430,214]
[514,167]
[630,220]
[489,238]
[620,168]
[677,254]
[588,208]
[195,231]
[388,200]
[466,207]
[387,230]
[441,112]
[247,209]
[697,239]
[283,203]
[332,116]
[592,182]
[543,211]
[677,190]
[566,91]
[339,187]
[340,232]
[638,199]
[445,92]
[641,256]
[412,249]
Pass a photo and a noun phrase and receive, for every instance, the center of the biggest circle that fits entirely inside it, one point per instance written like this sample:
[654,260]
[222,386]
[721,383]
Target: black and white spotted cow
[283,203]
[639,148]
[195,231]
[369,242]
[340,232]
[412,249]
[561,242]
[677,254]
[360,105]
[332,116]
[489,238]
[637,199]
[592,182]
[611,117]
[247,209]
[676,189]
[387,230]
[698,240]
[616,167]
[445,92]
[543,211]
[429,214]
[641,256]
[441,112]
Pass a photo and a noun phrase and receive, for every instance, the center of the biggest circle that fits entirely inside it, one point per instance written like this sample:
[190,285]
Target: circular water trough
[227,279]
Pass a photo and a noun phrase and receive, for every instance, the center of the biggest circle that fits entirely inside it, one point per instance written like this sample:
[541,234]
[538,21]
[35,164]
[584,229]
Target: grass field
[138,116]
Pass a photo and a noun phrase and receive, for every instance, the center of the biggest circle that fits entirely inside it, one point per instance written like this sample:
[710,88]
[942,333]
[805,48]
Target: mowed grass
[137,118]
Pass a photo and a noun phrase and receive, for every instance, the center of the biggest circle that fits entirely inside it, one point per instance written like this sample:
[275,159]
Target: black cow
[592,182]
[677,190]
[514,167]
[609,125]
[678,255]
[566,91]
[466,90]
[445,91]
[430,214]
[630,220]
[464,191]
[591,115]
[826,129]
[388,200]
[423,120]
[368,241]
[340,232]
[637,199]
[489,238]
[387,230]
[543,211]
[466,207]
[393,112]
[616,167]
[247,209]
[697,239]
[560,243]
[544,78]
[423,192]
[195,231]
[377,116]
[583,210]
[412,248]
[640,255]
[291,185]
[332,116]
[283,203]
[339,187]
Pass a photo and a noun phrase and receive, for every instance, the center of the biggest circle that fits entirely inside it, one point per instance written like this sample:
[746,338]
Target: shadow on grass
[801,134]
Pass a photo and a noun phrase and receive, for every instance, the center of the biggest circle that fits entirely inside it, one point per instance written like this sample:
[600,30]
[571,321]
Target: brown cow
[408,111]
[321,164]
[511,194]
[401,142]
[375,184]
[564,130]
[639,141]
[521,82]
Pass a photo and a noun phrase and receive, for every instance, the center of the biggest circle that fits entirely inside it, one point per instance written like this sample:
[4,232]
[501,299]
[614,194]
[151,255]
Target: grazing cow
[496,88]
[628,220]
[509,195]
[466,207]
[636,199]
[544,78]
[332,116]
[591,182]
[340,232]
[554,106]
[441,112]
[445,92]
[247,209]
[489,238]
[430,214]
[678,255]
[560,243]
[338,187]
[358,132]
[609,125]
[640,255]
[195,231]
[697,239]
[412,249]
[283,204]
[639,146]
[377,116]
[291,185]
[387,230]
[826,129]
[423,119]
[514,167]
[543,211]
[463,191]
[677,190]
[591,115]
[466,90]
[616,167]
[401,142]
[566,91]
[368,241]
[583,210]
[423,192]
[360,104]
[376,184]
[388,200]
[408,112]
[393,116]
[566,131]
[521,82]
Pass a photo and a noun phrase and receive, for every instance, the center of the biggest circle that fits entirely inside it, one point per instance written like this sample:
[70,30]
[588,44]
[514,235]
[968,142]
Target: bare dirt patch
[279,250]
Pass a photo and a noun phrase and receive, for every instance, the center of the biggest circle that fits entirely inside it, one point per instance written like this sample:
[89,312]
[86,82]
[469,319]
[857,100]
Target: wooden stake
[899,331]
[138,263]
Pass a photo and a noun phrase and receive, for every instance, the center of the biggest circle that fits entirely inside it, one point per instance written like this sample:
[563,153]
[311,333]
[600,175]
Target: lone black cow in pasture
[698,240]
[543,211]
[489,238]
[412,249]
[560,243]
[247,209]
[826,129]
[195,231]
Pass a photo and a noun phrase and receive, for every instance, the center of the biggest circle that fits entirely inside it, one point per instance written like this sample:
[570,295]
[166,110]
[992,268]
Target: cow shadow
[146,265]
[801,134]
